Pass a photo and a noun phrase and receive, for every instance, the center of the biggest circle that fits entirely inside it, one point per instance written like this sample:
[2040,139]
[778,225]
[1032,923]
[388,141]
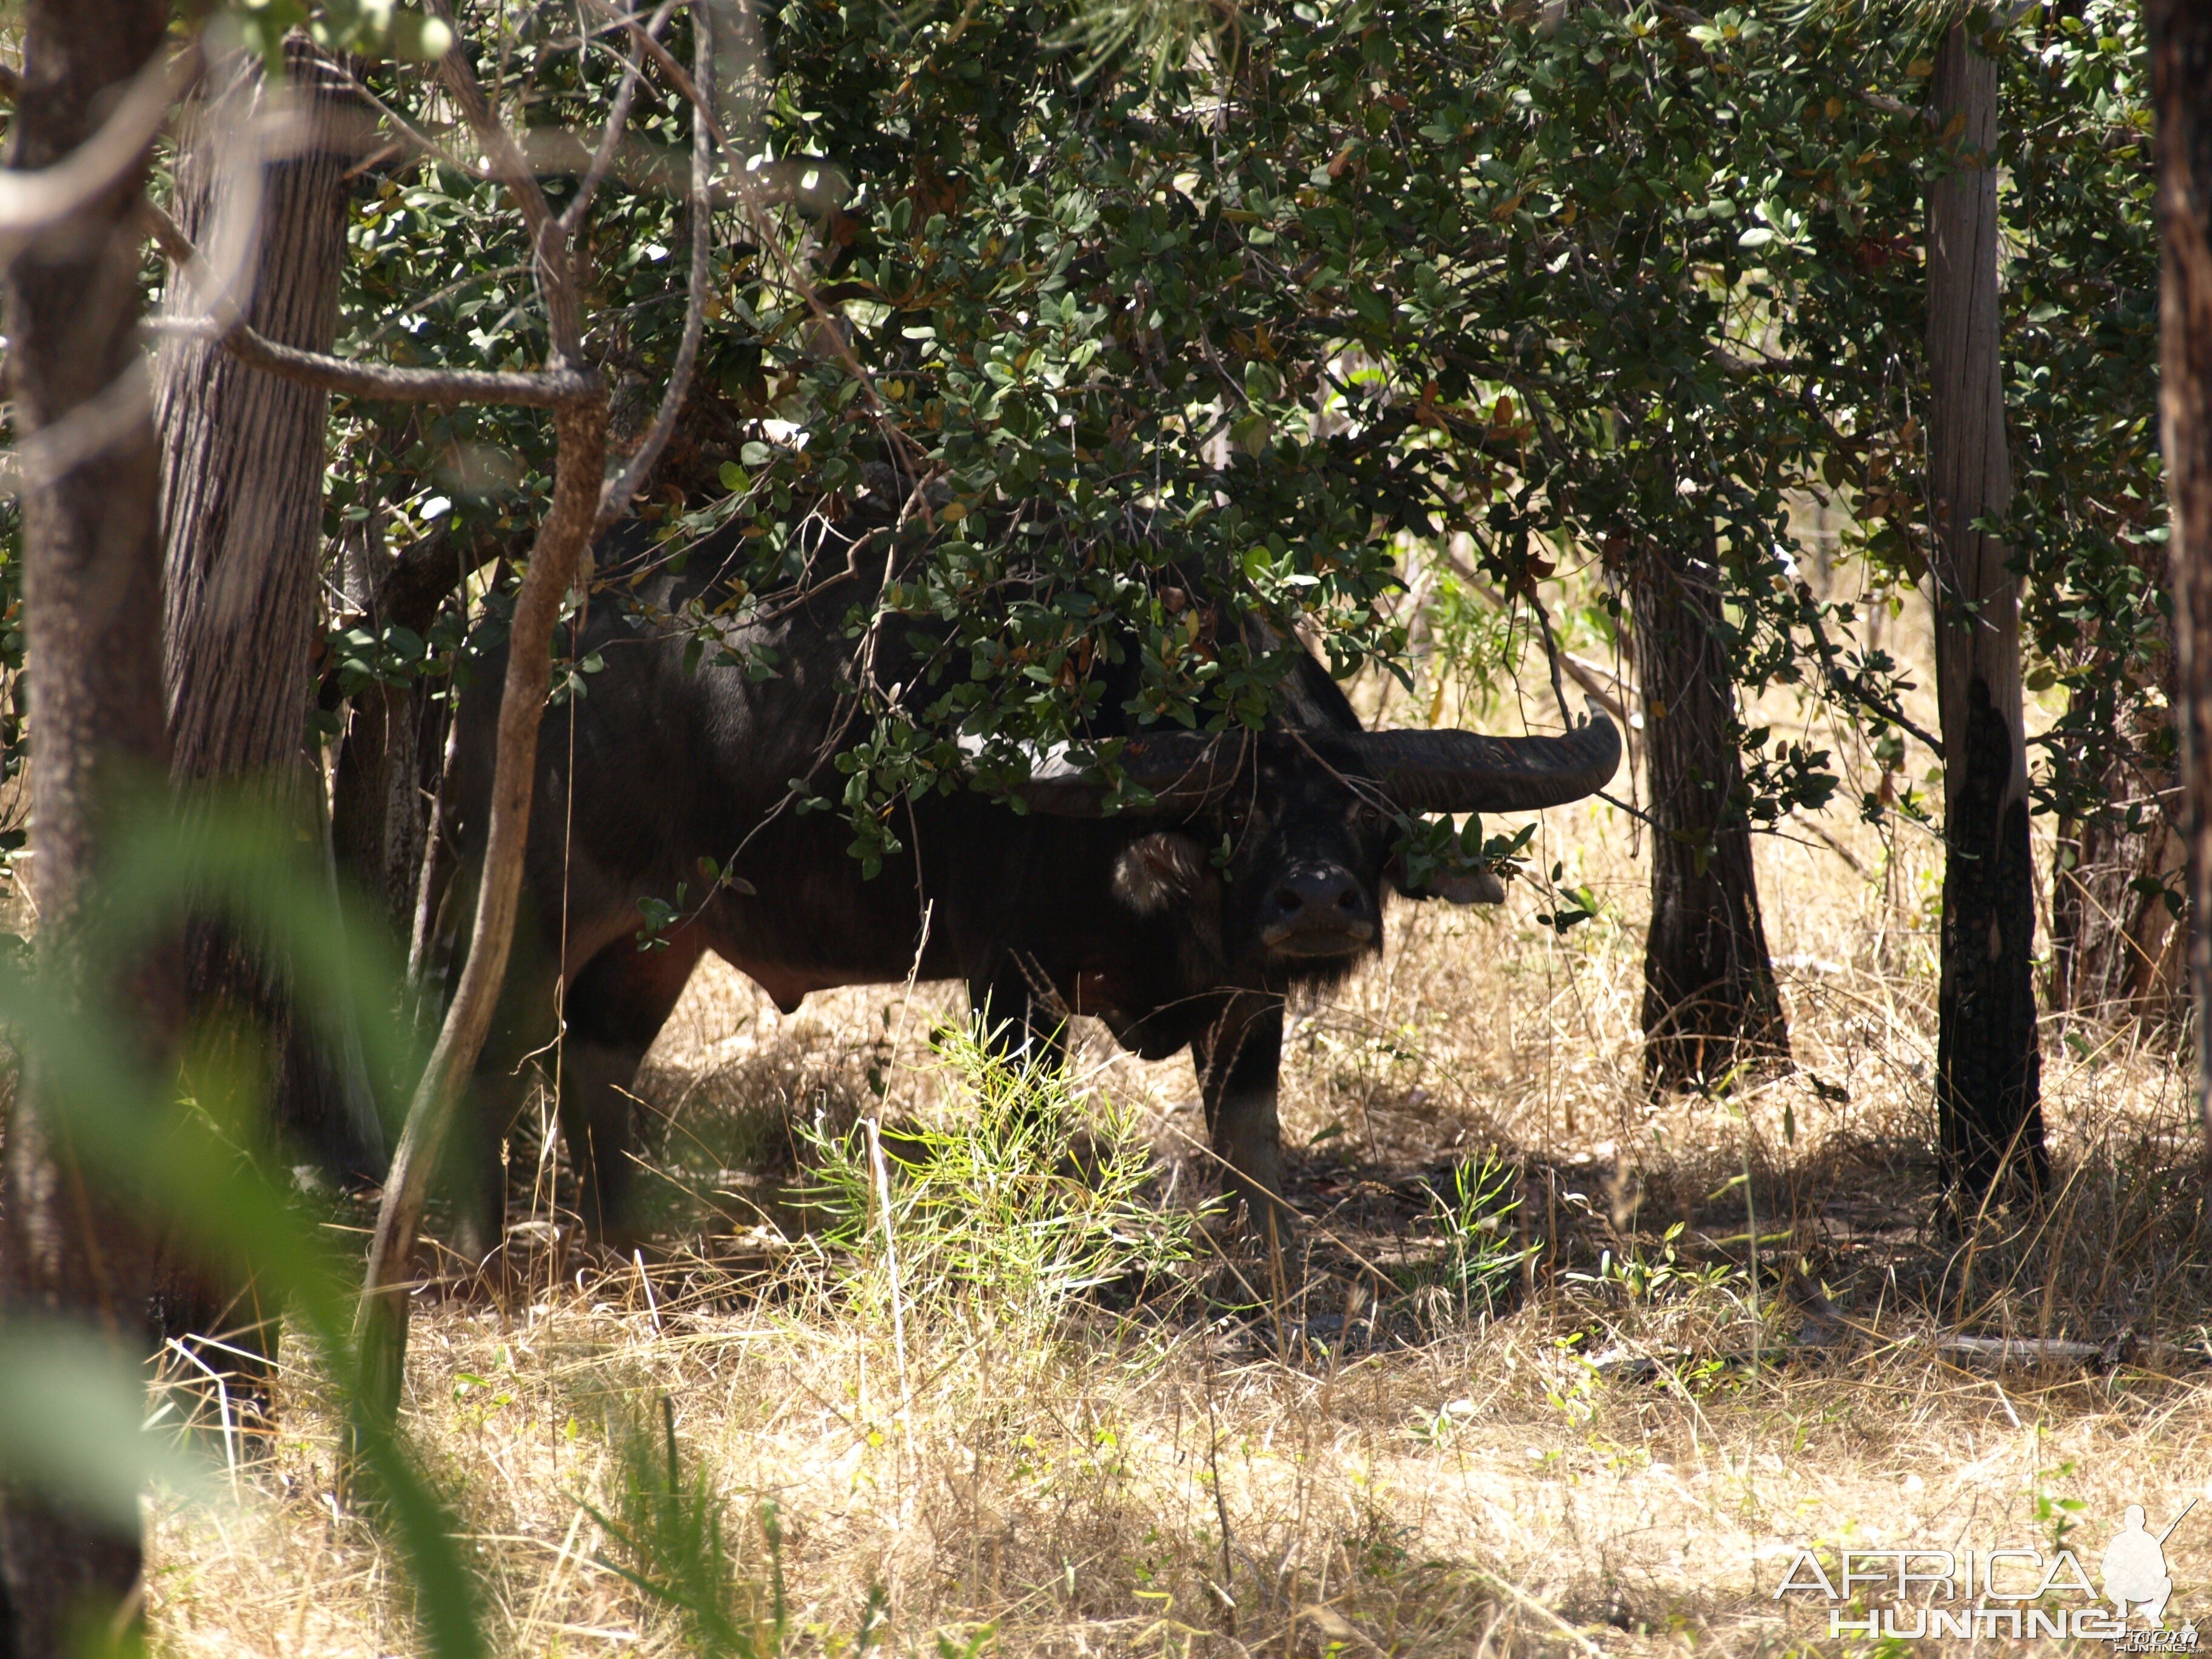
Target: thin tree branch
[555,388]
[447,387]
[1561,660]
[741,188]
[381,1323]
[610,139]
[683,83]
[614,498]
[554,252]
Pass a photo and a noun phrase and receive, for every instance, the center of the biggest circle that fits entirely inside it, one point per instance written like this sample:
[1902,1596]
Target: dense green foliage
[1219,330]
[1224,322]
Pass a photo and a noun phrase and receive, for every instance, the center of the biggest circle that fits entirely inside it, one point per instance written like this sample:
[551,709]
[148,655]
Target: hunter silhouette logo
[2135,1567]
[2015,1590]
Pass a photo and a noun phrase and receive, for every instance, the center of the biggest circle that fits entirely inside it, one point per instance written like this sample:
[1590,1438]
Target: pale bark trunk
[243,454]
[92,605]
[2181,81]
[1989,1113]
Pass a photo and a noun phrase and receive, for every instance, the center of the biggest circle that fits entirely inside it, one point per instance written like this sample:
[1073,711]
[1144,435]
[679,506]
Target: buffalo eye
[1160,870]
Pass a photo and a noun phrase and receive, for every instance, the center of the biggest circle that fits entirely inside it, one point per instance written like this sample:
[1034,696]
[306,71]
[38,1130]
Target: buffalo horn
[1469,772]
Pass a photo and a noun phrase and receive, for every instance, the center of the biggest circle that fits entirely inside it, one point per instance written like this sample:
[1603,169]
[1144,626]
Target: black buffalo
[1258,868]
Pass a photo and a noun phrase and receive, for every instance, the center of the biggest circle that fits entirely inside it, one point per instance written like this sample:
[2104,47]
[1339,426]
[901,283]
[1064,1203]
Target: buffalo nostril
[1289,901]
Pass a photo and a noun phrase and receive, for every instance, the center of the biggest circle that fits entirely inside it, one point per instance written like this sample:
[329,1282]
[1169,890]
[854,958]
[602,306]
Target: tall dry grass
[1726,1343]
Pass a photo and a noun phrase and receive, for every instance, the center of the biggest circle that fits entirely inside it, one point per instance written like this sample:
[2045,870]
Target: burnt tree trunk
[1988,1072]
[1710,998]
[2181,84]
[242,475]
[92,604]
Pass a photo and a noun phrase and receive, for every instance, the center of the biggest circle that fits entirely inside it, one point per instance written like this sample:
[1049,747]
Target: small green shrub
[1480,1256]
[1026,1199]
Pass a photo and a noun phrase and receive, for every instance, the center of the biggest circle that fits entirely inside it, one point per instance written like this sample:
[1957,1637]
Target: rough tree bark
[2181,88]
[1710,997]
[242,477]
[1988,1072]
[92,603]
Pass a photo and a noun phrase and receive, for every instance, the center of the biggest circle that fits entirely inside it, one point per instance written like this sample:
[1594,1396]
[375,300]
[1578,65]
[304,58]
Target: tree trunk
[92,605]
[2116,953]
[1710,998]
[242,475]
[389,765]
[1989,1115]
[2181,86]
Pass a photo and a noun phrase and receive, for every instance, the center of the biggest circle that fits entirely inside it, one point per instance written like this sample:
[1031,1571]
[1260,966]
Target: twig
[610,138]
[554,262]
[1220,1504]
[891,1253]
[685,86]
[223,1405]
[651,1306]
[1561,660]
[742,187]
[615,497]
[560,387]
[2035,1350]
[1837,847]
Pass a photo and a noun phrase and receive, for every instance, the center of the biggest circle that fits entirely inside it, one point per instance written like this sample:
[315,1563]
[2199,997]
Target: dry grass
[1393,1478]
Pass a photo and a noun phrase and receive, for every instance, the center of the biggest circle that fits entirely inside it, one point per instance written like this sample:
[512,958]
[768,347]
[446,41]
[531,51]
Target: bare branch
[558,388]
[413,136]
[683,83]
[610,139]
[614,498]
[743,189]
[380,1327]
[1565,661]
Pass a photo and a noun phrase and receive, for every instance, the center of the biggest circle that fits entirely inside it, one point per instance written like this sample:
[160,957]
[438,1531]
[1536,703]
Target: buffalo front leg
[1239,1058]
[1023,1018]
[615,1010]
[596,1121]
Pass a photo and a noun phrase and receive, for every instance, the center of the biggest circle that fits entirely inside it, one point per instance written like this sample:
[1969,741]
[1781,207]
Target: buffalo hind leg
[1238,1059]
[615,1010]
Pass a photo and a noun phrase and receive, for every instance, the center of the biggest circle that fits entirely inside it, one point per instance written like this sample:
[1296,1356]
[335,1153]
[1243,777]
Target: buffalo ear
[1476,886]
[1159,871]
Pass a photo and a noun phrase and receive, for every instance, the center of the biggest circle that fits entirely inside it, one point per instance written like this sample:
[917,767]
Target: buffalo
[1253,864]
